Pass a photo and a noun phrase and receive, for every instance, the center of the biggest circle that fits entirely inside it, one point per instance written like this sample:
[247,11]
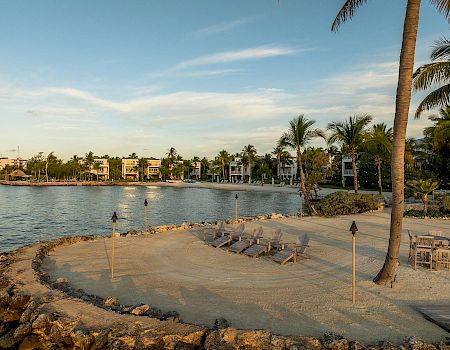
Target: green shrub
[444,203]
[345,203]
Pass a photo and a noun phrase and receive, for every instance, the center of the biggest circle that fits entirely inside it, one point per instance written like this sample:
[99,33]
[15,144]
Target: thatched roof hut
[17,173]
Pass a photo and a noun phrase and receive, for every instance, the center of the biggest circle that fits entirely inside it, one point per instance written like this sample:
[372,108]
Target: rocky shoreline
[37,312]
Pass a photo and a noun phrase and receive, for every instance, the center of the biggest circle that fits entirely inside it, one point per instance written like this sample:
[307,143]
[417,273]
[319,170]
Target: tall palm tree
[301,131]
[224,159]
[96,166]
[350,134]
[403,100]
[435,73]
[277,152]
[422,188]
[379,145]
[249,157]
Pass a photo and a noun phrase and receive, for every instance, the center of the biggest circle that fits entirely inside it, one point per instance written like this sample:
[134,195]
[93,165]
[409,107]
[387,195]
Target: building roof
[18,173]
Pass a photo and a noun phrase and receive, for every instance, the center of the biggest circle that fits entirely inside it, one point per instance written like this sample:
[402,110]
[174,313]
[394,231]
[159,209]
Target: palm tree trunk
[380,189]
[403,100]
[425,203]
[46,171]
[312,210]
[355,173]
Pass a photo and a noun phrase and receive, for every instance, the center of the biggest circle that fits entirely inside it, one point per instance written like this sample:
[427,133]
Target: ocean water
[30,214]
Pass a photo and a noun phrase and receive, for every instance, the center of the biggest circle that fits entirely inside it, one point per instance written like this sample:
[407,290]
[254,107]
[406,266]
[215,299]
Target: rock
[42,323]
[32,342]
[140,310]
[22,331]
[256,340]
[111,301]
[31,307]
[334,341]
[8,341]
[3,328]
[56,333]
[194,338]
[355,345]
[100,339]
[221,323]
[5,298]
[19,301]
[171,316]
[146,341]
[81,340]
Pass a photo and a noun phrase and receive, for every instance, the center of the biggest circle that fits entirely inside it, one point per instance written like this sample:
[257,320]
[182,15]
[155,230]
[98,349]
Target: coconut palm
[350,135]
[223,159]
[423,188]
[439,133]
[435,73]
[403,100]
[379,145]
[248,158]
[96,166]
[50,160]
[301,131]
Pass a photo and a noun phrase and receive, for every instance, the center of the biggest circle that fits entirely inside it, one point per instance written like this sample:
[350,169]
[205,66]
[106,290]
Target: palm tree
[439,133]
[403,100]
[298,136]
[379,145]
[141,167]
[423,188]
[51,159]
[97,166]
[350,134]
[223,159]
[435,73]
[249,157]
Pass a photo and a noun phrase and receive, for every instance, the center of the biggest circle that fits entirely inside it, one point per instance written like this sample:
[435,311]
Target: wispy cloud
[224,27]
[238,55]
[211,72]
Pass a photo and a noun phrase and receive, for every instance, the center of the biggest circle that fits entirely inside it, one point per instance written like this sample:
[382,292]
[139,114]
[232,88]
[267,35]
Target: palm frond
[430,74]
[443,6]
[441,50]
[347,11]
[437,98]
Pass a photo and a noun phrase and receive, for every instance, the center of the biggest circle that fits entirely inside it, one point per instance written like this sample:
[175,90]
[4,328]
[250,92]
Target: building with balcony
[100,168]
[287,171]
[347,171]
[238,171]
[153,169]
[130,169]
[15,163]
[197,170]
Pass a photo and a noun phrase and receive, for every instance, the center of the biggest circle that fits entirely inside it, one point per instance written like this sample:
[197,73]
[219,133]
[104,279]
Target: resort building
[100,168]
[197,170]
[287,171]
[153,169]
[347,171]
[16,163]
[238,171]
[130,169]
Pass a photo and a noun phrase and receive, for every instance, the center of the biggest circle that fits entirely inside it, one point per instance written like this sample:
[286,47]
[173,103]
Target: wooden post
[353,230]
[236,211]
[146,215]
[353,269]
[114,220]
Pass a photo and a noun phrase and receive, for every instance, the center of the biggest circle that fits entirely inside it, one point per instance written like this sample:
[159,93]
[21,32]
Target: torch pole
[113,249]
[353,270]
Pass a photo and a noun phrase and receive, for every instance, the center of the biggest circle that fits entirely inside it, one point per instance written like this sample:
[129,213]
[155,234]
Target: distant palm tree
[350,134]
[379,145]
[435,73]
[298,136]
[223,159]
[141,167]
[439,133]
[97,166]
[249,157]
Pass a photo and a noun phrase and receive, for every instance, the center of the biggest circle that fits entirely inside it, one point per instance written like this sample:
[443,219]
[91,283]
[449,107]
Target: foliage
[444,203]
[430,214]
[422,188]
[346,203]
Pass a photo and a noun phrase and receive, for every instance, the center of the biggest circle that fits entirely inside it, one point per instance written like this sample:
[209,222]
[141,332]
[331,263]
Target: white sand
[177,271]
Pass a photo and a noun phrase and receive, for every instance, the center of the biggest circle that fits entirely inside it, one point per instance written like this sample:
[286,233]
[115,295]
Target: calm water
[30,214]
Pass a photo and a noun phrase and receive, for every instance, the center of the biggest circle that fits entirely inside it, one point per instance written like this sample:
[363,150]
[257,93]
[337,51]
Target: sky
[116,77]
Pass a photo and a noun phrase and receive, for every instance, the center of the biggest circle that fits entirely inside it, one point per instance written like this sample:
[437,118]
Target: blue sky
[117,77]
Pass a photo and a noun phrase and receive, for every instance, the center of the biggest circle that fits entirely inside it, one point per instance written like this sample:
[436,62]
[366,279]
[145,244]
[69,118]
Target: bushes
[430,214]
[345,203]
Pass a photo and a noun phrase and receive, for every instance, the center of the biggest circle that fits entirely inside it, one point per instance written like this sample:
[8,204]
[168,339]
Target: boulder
[111,301]
[42,323]
[82,340]
[221,323]
[100,339]
[334,341]
[19,301]
[140,310]
[22,331]
[5,298]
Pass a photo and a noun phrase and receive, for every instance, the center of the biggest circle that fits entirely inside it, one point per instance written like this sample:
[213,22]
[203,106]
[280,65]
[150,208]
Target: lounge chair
[275,241]
[283,256]
[412,246]
[257,248]
[242,244]
[228,236]
[216,231]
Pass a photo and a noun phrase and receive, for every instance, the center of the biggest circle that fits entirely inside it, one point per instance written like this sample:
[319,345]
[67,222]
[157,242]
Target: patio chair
[435,233]
[283,256]
[216,231]
[257,248]
[242,244]
[228,236]
[275,241]
[442,257]
[423,251]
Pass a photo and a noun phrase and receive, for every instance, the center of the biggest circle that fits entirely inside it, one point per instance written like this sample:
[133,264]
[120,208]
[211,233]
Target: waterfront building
[237,170]
[197,170]
[15,162]
[347,171]
[130,169]
[287,171]
[153,169]
[102,172]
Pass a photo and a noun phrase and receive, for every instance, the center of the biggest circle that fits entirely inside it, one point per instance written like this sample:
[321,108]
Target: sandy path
[177,271]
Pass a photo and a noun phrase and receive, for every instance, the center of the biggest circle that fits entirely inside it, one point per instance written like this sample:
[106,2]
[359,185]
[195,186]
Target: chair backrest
[410,236]
[258,233]
[276,236]
[220,227]
[304,240]
[240,229]
[435,233]
[424,242]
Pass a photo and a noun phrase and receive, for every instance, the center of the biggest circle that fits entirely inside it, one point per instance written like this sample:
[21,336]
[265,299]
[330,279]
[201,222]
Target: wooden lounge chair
[257,248]
[228,236]
[242,244]
[283,256]
[412,246]
[275,241]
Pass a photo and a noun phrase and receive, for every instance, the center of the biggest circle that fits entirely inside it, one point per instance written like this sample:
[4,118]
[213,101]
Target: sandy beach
[178,271]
